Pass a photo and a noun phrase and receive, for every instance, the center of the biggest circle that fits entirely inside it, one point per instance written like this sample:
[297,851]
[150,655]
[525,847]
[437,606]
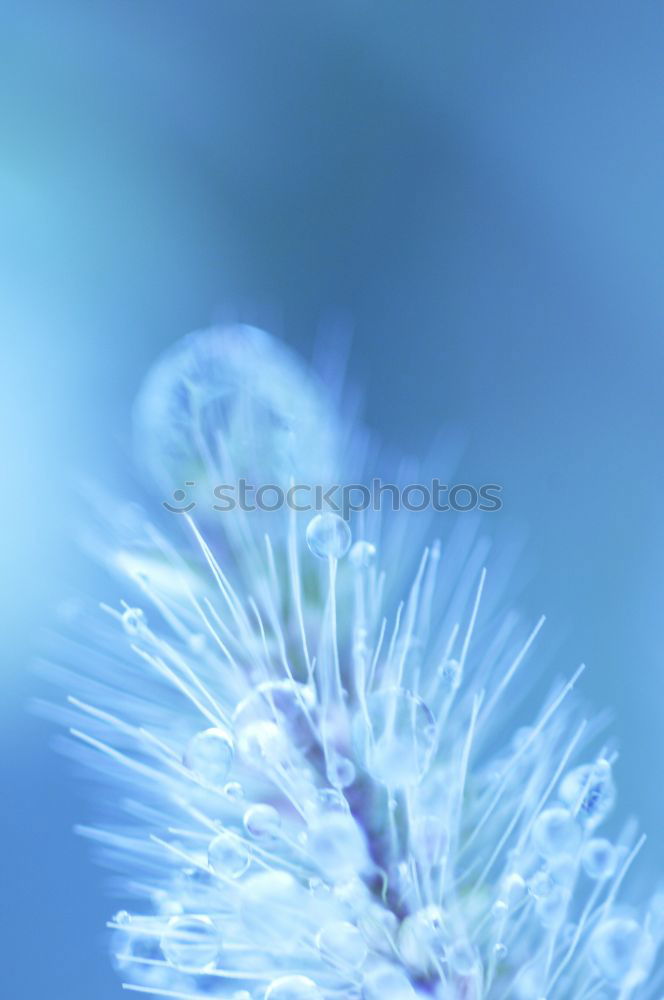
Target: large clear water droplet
[340,943]
[262,821]
[228,856]
[462,958]
[362,555]
[209,755]
[190,943]
[285,704]
[552,908]
[555,832]
[275,908]
[340,770]
[379,927]
[293,988]
[234,401]
[615,947]
[387,981]
[422,939]
[396,746]
[599,858]
[262,744]
[338,846]
[328,536]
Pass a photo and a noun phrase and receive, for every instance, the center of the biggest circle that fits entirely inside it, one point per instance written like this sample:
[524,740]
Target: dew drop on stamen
[422,939]
[228,856]
[340,771]
[209,755]
[233,790]
[387,981]
[599,858]
[615,946]
[397,745]
[262,744]
[286,704]
[274,908]
[293,988]
[133,620]
[262,821]
[555,832]
[379,927]
[190,942]
[338,846]
[328,536]
[362,555]
[462,958]
[340,943]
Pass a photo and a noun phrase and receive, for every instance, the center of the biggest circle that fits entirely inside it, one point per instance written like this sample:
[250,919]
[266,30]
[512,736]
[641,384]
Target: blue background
[478,186]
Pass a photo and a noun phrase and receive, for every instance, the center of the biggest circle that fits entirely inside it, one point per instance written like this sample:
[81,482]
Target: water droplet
[500,951]
[656,915]
[194,889]
[386,981]
[234,790]
[228,856]
[555,832]
[285,704]
[262,821]
[590,790]
[338,846]
[210,755]
[293,988]
[599,858]
[262,744]
[422,939]
[340,771]
[328,536]
[615,946]
[396,748]
[331,800]
[462,958]
[552,908]
[540,885]
[563,870]
[340,943]
[122,917]
[139,957]
[379,927]
[190,942]
[513,889]
[274,907]
[133,621]
[362,555]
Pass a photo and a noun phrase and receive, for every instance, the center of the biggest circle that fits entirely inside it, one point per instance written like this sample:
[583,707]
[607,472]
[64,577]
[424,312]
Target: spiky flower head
[315,788]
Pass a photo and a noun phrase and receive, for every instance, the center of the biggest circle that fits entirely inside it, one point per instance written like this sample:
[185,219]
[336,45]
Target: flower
[314,783]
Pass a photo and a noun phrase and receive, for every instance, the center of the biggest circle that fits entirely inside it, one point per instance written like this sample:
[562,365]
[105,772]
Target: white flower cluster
[315,791]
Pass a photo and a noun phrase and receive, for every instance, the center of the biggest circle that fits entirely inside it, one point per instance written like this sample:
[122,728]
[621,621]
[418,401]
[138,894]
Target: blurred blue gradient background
[479,186]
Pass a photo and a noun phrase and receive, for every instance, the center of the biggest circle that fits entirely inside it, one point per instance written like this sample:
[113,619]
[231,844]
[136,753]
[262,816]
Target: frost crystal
[314,790]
